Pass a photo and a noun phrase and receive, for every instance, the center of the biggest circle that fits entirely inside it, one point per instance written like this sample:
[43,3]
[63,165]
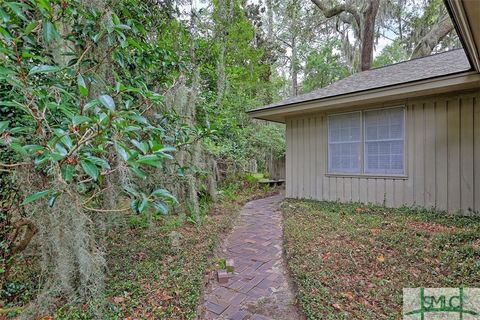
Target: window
[369,142]
[344,143]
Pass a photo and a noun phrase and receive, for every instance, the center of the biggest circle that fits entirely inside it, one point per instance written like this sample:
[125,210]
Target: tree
[363,22]
[292,34]
[324,67]
[84,81]
[441,28]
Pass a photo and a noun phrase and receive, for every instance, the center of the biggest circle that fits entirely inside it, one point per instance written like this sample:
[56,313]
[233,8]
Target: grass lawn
[154,271]
[351,261]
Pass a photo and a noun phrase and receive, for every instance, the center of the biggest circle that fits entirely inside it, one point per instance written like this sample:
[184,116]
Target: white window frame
[362,172]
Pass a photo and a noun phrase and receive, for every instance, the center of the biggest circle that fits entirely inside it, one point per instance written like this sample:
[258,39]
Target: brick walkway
[259,288]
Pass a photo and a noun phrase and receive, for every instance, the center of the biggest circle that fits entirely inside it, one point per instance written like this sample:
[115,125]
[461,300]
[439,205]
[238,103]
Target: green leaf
[44,5]
[52,199]
[122,27]
[61,149]
[121,151]
[66,141]
[131,191]
[5,34]
[151,160]
[68,172]
[91,104]
[76,120]
[139,172]
[90,169]
[43,69]
[49,31]
[132,128]
[29,28]
[15,104]
[134,205]
[139,119]
[82,86]
[98,161]
[16,8]
[36,196]
[163,155]
[161,207]
[140,145]
[21,130]
[107,101]
[56,156]
[143,205]
[64,137]
[18,149]
[4,15]
[3,125]
[98,36]
[32,148]
[168,149]
[164,194]
[115,19]
[6,71]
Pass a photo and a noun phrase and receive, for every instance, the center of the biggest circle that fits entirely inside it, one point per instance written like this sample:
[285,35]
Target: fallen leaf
[349,295]
[381,258]
[118,299]
[336,306]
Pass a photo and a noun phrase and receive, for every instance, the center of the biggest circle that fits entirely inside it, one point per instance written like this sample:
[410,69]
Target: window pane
[344,136]
[384,141]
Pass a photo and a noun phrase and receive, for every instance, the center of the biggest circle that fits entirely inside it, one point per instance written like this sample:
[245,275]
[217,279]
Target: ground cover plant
[160,274]
[351,261]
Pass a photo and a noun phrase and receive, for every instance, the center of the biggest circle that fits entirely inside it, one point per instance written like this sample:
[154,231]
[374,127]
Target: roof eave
[465,15]
[460,81]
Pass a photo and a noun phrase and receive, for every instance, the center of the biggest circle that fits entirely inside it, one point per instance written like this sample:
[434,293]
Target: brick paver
[259,288]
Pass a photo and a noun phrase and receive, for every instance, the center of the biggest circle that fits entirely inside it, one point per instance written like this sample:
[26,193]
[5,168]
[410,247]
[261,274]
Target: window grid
[391,163]
[345,143]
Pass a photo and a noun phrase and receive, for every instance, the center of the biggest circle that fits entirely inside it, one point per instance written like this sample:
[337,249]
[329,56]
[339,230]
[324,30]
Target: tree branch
[439,31]
[337,10]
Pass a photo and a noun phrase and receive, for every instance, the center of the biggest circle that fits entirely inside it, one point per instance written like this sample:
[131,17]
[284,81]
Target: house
[404,134]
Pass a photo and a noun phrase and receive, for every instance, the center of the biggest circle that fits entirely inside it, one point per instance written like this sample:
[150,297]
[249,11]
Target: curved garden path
[259,287]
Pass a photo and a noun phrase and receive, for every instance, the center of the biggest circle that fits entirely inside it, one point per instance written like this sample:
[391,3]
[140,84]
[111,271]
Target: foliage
[324,67]
[80,84]
[352,260]
[72,126]
[390,54]
[302,29]
[160,274]
[238,138]
[89,133]
[114,114]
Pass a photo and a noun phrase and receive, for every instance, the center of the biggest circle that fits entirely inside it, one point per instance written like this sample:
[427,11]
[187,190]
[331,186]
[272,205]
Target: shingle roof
[432,66]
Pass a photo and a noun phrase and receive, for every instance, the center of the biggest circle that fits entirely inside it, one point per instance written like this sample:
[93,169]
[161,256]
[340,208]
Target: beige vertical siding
[442,159]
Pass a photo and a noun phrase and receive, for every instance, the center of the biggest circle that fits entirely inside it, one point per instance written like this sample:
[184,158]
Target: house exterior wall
[442,158]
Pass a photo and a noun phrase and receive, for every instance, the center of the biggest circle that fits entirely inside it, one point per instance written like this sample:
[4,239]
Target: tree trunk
[365,23]
[212,179]
[221,81]
[433,37]
[269,20]
[294,67]
[368,34]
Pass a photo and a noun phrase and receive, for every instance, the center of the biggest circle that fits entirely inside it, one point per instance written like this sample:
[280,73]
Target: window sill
[366,176]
